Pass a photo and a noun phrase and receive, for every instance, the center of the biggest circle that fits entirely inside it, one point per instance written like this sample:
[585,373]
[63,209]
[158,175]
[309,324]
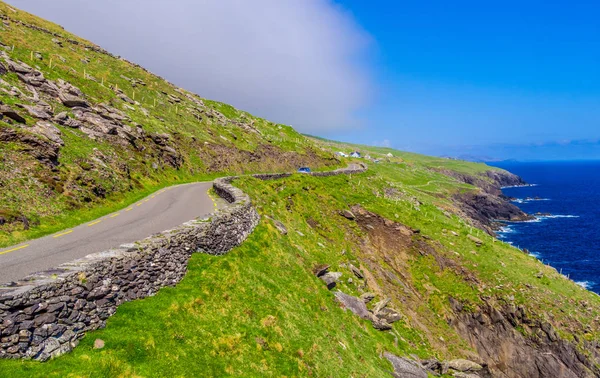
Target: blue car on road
[304,170]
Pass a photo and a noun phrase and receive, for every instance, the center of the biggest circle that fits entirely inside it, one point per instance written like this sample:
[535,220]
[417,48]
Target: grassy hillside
[260,310]
[429,162]
[159,134]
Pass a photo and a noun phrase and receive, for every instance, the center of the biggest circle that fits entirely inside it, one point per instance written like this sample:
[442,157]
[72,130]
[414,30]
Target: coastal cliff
[486,205]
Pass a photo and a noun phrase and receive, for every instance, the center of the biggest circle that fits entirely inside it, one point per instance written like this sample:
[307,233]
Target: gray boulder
[478,242]
[34,78]
[405,368]
[64,120]
[464,365]
[280,226]
[95,122]
[331,279]
[8,112]
[354,304]
[38,111]
[347,214]
[125,98]
[21,68]
[357,272]
[381,305]
[389,315]
[72,101]
[48,130]
[380,324]
[320,269]
[111,113]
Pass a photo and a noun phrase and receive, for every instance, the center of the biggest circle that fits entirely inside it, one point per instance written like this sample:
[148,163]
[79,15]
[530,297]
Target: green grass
[259,311]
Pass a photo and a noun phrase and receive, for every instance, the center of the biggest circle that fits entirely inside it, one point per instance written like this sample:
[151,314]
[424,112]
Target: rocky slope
[493,328]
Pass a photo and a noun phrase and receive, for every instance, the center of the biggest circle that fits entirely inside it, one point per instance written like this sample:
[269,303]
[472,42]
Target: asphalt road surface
[158,212]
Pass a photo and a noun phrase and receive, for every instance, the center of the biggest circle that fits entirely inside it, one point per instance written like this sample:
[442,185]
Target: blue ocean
[569,237]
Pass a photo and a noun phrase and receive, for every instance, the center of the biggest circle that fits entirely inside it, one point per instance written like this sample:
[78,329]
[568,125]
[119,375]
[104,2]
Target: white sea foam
[518,186]
[528,200]
[535,254]
[539,218]
[507,229]
[585,284]
[534,220]
[557,216]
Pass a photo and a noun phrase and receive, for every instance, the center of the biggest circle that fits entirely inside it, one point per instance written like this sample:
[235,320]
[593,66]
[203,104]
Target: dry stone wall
[45,314]
[351,169]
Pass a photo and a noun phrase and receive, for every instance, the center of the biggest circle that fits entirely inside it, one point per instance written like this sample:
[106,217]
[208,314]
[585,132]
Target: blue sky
[501,79]
[509,79]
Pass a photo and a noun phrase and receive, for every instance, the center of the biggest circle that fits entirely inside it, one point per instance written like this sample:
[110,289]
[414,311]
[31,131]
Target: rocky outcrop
[504,178]
[535,351]
[49,131]
[486,205]
[381,317]
[491,181]
[508,341]
[99,122]
[41,149]
[10,113]
[38,111]
[405,368]
[485,209]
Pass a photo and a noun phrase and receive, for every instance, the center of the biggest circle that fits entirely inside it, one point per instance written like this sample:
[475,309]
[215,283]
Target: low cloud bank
[294,62]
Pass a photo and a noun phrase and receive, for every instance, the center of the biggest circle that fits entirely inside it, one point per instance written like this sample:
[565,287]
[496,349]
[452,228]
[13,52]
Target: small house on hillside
[389,155]
[355,154]
[342,154]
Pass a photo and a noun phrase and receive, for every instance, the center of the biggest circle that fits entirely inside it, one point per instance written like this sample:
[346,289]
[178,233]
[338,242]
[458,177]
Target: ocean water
[569,238]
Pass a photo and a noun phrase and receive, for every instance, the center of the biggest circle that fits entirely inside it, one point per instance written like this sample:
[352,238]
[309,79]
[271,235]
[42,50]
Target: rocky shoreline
[488,207]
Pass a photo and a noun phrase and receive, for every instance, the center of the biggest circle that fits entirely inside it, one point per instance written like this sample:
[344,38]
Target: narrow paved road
[160,211]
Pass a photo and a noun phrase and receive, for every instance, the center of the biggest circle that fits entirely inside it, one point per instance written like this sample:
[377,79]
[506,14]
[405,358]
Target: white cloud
[296,62]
